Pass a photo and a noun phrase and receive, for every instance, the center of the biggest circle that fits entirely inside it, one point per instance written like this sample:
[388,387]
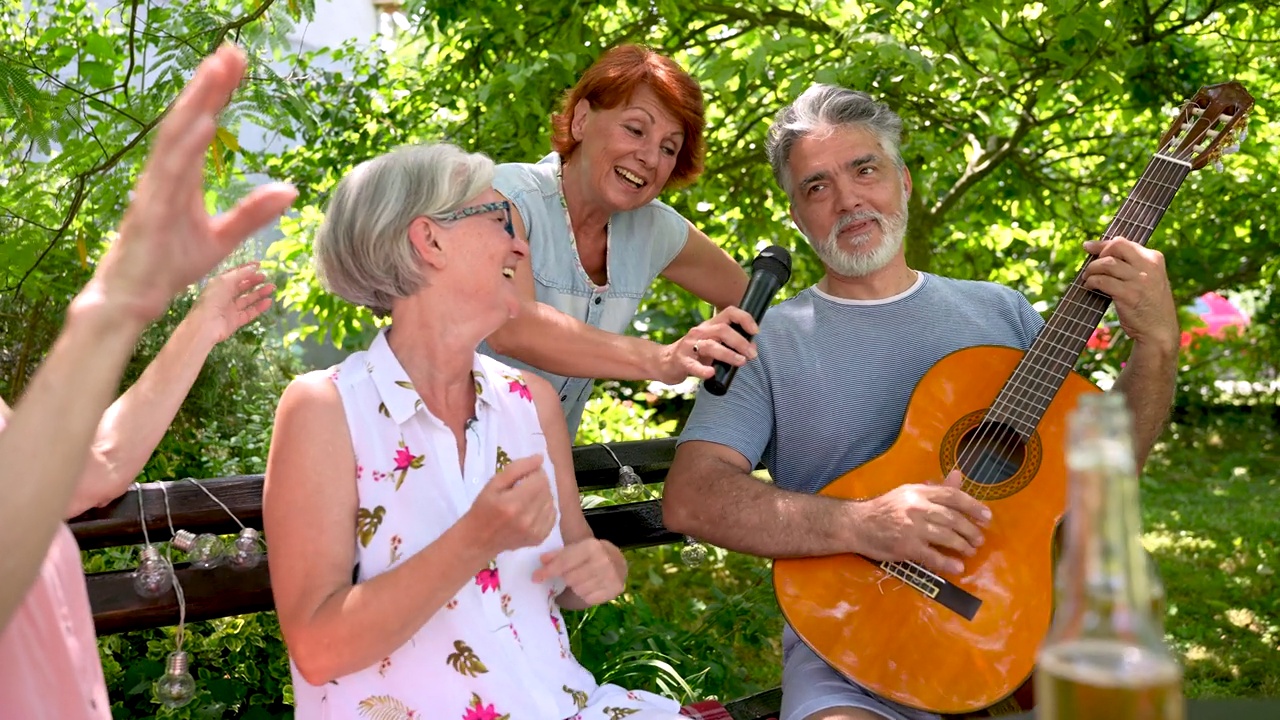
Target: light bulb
[176,687]
[246,552]
[203,551]
[154,575]
[630,486]
[693,553]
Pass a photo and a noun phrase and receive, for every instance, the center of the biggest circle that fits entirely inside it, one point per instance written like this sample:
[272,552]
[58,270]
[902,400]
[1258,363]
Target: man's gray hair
[823,109]
[362,252]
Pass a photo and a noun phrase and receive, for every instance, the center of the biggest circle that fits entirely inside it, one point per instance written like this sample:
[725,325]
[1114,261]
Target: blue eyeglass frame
[470,210]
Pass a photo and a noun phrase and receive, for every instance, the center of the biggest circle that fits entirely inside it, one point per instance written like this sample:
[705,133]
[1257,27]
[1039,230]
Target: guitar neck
[1024,398]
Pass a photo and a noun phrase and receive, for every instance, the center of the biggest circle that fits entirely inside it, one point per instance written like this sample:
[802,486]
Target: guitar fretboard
[1027,394]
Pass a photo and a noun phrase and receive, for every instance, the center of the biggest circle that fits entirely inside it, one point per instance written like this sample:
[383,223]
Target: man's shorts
[809,685]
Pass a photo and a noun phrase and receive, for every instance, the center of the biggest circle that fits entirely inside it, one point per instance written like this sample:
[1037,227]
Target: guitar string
[1171,169]
[1032,372]
[1037,374]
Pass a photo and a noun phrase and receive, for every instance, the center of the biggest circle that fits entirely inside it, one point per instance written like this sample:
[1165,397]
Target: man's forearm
[42,449]
[1148,381]
[557,343]
[134,425]
[715,501]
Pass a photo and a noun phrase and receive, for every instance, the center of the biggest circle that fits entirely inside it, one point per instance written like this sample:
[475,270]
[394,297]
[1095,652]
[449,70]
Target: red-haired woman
[598,237]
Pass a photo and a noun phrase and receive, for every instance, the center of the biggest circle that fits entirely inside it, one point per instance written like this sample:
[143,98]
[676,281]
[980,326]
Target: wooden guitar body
[964,644]
[881,627]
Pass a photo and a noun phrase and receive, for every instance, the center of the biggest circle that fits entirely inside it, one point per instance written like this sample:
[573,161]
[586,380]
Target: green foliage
[712,631]
[240,665]
[1026,124]
[1209,496]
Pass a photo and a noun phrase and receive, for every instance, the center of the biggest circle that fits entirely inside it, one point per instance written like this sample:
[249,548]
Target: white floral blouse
[499,650]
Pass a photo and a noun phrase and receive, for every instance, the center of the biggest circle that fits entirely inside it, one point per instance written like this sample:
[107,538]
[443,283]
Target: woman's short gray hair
[824,108]
[362,252]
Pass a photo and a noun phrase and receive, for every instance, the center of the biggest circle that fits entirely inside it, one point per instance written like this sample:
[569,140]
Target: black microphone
[769,272]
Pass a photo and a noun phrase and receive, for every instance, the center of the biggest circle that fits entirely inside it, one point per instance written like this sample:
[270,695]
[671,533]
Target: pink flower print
[396,542]
[481,712]
[384,666]
[632,695]
[518,386]
[333,373]
[506,605]
[451,604]
[406,460]
[359,471]
[488,579]
[477,710]
[514,634]
[555,621]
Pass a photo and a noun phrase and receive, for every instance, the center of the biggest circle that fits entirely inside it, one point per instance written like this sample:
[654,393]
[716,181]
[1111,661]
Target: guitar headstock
[1207,124]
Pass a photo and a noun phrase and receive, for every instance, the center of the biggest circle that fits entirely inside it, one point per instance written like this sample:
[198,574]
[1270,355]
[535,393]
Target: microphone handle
[718,384]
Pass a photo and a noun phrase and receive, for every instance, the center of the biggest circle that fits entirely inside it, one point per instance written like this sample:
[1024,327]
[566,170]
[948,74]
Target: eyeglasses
[470,210]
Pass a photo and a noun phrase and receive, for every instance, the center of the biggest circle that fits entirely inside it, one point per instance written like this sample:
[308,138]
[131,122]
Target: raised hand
[1134,277]
[587,567]
[515,509]
[232,300]
[921,523]
[707,342]
[167,239]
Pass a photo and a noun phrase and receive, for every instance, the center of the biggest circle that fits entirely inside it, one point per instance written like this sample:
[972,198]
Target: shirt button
[563,398]
[598,299]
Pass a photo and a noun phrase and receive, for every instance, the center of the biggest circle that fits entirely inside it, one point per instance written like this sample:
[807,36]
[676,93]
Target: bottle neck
[1104,580]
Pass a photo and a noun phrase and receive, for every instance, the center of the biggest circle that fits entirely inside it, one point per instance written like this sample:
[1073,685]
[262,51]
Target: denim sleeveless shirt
[642,242]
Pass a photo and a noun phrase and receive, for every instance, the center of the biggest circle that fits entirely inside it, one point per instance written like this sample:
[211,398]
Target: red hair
[611,80]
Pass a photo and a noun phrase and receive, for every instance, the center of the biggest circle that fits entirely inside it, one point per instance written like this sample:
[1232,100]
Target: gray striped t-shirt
[830,387]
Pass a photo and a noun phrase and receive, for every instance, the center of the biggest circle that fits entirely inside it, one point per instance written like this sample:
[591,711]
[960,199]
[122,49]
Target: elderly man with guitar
[913,426]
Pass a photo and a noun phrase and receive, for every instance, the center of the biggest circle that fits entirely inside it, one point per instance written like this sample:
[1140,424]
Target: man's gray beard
[851,263]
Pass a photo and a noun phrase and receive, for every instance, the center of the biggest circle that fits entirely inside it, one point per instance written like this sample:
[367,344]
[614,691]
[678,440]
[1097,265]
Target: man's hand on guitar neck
[927,524]
[1134,277]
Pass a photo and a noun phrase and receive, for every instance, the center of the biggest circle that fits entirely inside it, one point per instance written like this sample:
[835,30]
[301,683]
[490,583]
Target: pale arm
[42,448]
[167,241]
[1148,381]
[598,565]
[554,342]
[706,270]
[334,628]
[711,494]
[136,422]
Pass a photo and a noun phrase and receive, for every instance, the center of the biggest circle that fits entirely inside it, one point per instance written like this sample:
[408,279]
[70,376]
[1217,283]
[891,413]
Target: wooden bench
[222,591]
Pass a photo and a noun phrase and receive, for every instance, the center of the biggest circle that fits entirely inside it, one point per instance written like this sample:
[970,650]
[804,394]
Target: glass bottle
[1105,655]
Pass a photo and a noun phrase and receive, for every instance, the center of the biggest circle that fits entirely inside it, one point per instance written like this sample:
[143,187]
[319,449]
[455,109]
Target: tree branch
[81,179]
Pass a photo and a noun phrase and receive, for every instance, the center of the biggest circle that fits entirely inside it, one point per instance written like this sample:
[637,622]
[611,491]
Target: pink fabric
[49,667]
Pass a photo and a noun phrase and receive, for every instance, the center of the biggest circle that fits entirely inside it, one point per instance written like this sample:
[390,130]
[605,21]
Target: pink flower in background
[519,388]
[488,579]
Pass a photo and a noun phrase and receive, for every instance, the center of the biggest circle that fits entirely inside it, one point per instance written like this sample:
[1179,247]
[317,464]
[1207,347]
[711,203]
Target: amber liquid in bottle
[1105,657]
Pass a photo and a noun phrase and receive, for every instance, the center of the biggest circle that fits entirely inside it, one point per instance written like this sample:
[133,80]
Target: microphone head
[776,261]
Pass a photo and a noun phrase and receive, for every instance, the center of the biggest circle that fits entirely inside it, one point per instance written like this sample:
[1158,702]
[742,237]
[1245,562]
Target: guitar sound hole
[990,453]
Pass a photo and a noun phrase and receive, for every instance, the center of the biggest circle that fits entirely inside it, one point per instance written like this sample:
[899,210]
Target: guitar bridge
[933,586]
[913,575]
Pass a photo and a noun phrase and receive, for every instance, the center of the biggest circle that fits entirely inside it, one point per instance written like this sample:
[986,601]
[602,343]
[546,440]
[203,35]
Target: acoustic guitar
[964,644]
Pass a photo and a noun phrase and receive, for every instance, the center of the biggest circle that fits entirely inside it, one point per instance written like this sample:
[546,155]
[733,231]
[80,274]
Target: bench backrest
[223,591]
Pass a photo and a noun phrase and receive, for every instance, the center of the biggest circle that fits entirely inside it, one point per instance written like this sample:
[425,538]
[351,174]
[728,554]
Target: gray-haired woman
[443,476]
